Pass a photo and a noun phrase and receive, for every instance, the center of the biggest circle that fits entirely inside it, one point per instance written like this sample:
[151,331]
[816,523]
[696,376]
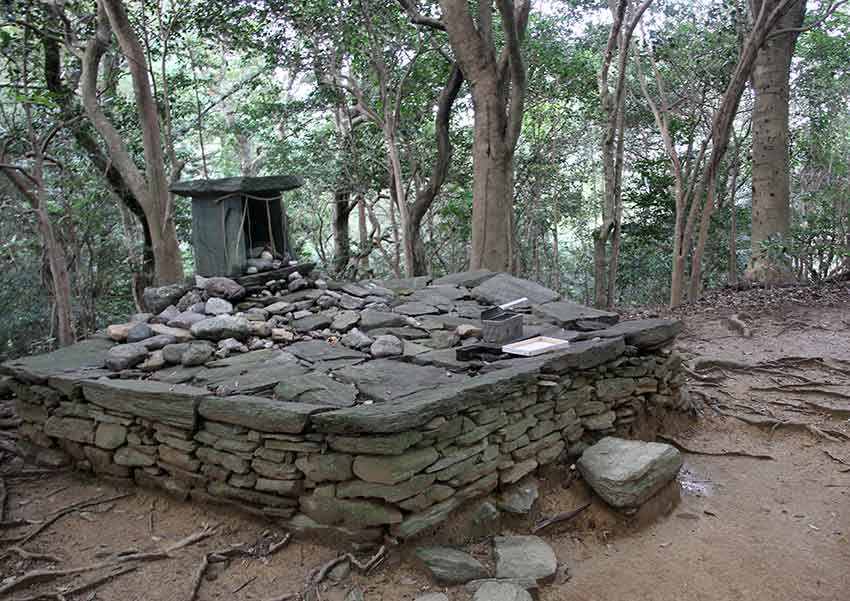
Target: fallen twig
[836,457]
[685,449]
[561,517]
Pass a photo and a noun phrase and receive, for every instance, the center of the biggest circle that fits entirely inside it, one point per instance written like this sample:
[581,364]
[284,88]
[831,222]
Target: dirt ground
[745,529]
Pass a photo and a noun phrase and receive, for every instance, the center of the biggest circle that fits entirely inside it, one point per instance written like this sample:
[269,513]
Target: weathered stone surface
[130,457]
[450,566]
[524,557]
[125,356]
[567,313]
[419,408]
[173,404]
[405,333]
[517,471]
[287,488]
[625,473]
[615,388]
[157,342]
[419,522]
[110,436]
[304,525]
[345,320]
[433,597]
[258,413]
[386,346]
[501,591]
[583,355]
[393,469]
[356,339]
[349,513]
[218,306]
[415,308]
[316,389]
[333,467]
[503,288]
[519,498]
[70,428]
[197,353]
[314,321]
[642,333]
[413,283]
[118,331]
[395,444]
[220,489]
[224,288]
[156,299]
[139,332]
[391,493]
[469,279]
[81,358]
[371,319]
[387,380]
[219,328]
[179,334]
[433,494]
[602,421]
[319,350]
[225,460]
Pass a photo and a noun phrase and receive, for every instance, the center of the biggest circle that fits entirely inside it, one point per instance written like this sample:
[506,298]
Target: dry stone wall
[402,465]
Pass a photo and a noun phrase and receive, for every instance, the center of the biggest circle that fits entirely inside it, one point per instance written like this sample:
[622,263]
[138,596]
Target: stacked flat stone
[330,441]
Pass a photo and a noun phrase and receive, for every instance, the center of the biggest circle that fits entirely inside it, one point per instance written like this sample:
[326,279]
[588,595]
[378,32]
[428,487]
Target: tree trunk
[492,192]
[342,238]
[770,162]
[59,275]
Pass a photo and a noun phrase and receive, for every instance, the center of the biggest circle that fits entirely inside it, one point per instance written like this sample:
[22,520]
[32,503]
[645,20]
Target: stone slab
[315,389]
[503,288]
[567,313]
[465,278]
[173,404]
[319,350]
[642,333]
[583,355]
[524,557]
[75,360]
[386,379]
[419,408]
[259,413]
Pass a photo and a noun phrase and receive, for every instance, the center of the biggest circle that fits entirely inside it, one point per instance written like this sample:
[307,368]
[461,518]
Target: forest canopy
[627,152]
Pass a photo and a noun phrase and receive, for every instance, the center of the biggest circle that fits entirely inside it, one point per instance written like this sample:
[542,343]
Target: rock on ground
[626,473]
[386,346]
[524,557]
[501,591]
[451,566]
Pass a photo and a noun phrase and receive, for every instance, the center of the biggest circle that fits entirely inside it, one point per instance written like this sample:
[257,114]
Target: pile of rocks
[326,425]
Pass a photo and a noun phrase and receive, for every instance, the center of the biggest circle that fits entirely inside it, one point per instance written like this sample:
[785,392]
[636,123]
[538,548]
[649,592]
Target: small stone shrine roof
[258,186]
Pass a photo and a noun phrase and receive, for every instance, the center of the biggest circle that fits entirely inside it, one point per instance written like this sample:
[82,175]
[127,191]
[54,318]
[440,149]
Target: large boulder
[125,356]
[626,473]
[157,298]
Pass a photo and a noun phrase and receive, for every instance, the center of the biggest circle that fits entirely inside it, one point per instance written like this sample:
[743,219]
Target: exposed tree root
[318,574]
[80,588]
[685,449]
[241,550]
[22,540]
[40,576]
[4,494]
[828,434]
[24,554]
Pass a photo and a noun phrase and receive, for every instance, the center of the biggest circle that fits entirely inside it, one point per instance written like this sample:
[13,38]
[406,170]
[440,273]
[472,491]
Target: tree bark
[150,188]
[498,95]
[342,237]
[770,153]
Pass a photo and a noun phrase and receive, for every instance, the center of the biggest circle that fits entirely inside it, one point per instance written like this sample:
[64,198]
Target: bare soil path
[747,529]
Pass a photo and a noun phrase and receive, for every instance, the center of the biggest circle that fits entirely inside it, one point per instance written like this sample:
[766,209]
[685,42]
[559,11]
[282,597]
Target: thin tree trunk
[342,239]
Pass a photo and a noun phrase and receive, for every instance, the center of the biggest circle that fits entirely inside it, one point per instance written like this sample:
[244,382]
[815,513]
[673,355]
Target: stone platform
[322,428]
